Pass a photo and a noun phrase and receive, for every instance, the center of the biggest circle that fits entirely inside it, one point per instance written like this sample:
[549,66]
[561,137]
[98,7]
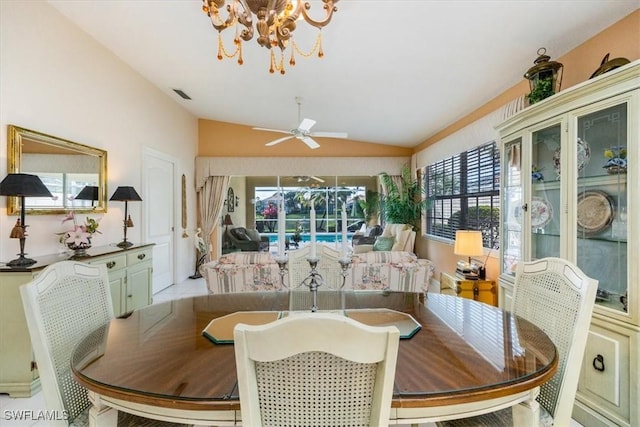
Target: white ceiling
[394,72]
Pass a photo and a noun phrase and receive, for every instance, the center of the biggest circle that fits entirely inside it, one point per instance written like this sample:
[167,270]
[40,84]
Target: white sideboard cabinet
[130,276]
[570,188]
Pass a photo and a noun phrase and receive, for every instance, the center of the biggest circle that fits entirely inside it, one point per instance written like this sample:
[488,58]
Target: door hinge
[34,365]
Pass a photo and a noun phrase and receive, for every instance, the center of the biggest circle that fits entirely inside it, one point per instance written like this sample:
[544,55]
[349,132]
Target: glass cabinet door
[512,196]
[545,192]
[601,207]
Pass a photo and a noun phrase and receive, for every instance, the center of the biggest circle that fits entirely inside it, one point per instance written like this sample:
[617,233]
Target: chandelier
[275,22]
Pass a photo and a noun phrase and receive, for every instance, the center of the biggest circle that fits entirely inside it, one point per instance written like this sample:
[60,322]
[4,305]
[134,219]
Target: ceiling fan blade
[306,124]
[273,130]
[278,141]
[317,179]
[310,142]
[330,134]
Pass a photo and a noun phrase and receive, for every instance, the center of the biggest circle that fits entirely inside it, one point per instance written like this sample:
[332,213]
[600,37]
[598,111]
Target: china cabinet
[130,276]
[571,189]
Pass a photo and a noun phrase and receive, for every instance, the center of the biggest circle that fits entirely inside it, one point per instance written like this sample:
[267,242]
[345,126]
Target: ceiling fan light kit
[305,179]
[275,22]
[302,132]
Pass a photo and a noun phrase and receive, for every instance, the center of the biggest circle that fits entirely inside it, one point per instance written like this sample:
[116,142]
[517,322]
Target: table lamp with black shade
[468,243]
[126,194]
[89,192]
[22,185]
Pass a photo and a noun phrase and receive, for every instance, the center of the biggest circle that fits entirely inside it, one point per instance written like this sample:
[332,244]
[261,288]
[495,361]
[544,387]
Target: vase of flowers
[616,160]
[78,238]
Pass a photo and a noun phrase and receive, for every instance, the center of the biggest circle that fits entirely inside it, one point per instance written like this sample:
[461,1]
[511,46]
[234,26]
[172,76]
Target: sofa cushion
[392,230]
[383,243]
[360,249]
[362,240]
[240,233]
[401,239]
[253,234]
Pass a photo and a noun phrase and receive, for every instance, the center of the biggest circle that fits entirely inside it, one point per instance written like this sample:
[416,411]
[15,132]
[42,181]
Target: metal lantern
[544,77]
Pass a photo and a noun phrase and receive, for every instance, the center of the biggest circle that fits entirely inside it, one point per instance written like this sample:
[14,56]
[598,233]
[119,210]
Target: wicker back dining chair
[315,369]
[67,301]
[558,297]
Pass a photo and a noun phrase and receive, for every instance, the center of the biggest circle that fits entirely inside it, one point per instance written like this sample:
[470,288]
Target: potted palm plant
[403,203]
[370,205]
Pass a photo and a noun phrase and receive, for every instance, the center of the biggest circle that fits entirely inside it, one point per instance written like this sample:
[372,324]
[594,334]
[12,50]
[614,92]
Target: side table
[479,290]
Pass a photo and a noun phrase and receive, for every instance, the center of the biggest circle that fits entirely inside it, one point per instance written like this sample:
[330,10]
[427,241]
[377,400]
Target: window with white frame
[465,194]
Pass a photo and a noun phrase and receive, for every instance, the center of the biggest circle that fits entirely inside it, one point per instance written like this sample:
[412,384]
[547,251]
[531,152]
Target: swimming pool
[306,237]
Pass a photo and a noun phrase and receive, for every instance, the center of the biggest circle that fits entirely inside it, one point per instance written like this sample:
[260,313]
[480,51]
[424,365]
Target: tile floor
[31,406]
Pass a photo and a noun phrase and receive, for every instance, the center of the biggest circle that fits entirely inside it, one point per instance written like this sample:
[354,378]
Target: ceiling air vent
[182,94]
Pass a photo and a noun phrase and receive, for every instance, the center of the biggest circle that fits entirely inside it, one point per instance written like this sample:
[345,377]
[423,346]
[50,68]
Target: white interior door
[159,195]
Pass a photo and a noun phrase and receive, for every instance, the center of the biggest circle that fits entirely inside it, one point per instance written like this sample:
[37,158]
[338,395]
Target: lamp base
[22,261]
[124,244]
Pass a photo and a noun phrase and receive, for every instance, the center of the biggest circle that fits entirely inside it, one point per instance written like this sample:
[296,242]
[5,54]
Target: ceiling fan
[304,179]
[303,132]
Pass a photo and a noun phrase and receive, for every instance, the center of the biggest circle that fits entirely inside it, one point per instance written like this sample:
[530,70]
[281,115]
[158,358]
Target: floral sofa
[394,270]
[258,271]
[242,272]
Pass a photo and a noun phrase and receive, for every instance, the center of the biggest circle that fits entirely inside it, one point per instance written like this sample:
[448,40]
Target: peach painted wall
[221,139]
[620,40]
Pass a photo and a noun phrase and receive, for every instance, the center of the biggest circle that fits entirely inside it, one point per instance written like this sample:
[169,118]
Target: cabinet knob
[129,296]
[141,256]
[598,363]
[111,264]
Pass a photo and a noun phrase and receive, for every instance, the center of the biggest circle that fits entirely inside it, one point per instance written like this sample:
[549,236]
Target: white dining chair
[558,297]
[62,305]
[315,369]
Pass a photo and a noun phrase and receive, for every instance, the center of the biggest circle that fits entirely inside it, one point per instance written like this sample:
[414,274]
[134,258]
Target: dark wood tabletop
[465,351]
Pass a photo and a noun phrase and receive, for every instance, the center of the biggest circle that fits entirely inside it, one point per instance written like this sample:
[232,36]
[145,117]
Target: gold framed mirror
[65,167]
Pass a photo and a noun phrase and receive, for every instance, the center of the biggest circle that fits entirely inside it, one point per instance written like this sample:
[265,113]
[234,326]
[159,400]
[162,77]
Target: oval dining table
[462,358]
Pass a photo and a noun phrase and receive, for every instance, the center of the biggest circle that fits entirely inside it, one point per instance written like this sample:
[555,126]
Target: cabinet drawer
[139,256]
[113,263]
[605,375]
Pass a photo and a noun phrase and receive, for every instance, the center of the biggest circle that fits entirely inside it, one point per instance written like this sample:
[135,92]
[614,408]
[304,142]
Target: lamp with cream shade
[468,243]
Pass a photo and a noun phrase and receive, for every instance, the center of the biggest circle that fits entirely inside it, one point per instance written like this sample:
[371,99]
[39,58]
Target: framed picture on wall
[231,200]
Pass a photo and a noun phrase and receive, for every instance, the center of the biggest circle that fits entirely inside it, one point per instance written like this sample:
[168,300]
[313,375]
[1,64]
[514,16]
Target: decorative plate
[541,212]
[595,211]
[584,154]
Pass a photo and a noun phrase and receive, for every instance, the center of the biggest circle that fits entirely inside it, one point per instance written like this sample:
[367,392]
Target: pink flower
[78,236]
[70,216]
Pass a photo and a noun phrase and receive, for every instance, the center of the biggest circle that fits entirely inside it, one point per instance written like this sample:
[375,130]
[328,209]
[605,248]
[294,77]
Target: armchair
[247,240]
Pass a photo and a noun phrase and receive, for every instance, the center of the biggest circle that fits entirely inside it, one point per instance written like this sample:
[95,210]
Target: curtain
[397,180]
[211,199]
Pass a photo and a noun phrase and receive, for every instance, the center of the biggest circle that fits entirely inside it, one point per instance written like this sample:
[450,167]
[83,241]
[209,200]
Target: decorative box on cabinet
[566,194]
[479,290]
[130,275]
